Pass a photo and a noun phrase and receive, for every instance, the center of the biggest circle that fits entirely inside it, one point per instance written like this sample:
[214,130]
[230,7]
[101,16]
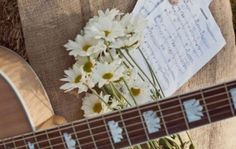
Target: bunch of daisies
[105,68]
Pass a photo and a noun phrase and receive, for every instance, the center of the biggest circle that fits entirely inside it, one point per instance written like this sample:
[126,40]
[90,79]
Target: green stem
[189,137]
[104,90]
[141,70]
[120,94]
[114,92]
[129,91]
[110,54]
[95,93]
[151,71]
[180,139]
[122,54]
[154,145]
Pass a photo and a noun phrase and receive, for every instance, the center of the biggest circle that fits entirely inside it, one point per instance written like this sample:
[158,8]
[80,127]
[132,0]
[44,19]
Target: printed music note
[179,40]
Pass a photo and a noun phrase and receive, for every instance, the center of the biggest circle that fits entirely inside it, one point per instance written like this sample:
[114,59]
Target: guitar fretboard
[138,124]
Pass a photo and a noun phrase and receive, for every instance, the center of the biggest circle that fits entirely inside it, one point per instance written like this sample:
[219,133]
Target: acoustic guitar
[114,130]
[24,104]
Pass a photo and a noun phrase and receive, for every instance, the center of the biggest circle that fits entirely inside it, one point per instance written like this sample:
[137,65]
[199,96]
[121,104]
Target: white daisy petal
[75,80]
[106,73]
[93,106]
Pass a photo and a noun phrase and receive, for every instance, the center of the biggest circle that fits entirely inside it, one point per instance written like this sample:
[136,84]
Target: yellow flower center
[86,47]
[107,76]
[88,66]
[97,108]
[78,78]
[107,33]
[135,91]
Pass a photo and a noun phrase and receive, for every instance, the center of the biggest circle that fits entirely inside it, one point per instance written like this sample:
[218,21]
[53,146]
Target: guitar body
[14,120]
[25,108]
[24,104]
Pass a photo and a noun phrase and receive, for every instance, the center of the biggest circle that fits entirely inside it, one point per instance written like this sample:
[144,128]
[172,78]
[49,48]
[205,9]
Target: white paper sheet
[146,7]
[179,41]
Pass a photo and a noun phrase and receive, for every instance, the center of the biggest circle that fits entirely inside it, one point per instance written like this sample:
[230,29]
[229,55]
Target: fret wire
[218,87]
[76,137]
[162,117]
[205,105]
[166,101]
[137,130]
[25,142]
[167,115]
[14,143]
[230,100]
[49,141]
[183,112]
[213,88]
[35,140]
[4,144]
[88,142]
[122,120]
[175,106]
[91,133]
[61,136]
[144,126]
[175,113]
[108,132]
[104,145]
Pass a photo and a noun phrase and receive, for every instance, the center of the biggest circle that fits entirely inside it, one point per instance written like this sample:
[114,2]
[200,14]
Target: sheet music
[146,7]
[179,41]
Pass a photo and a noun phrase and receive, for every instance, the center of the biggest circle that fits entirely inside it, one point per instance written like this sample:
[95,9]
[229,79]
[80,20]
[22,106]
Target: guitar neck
[138,124]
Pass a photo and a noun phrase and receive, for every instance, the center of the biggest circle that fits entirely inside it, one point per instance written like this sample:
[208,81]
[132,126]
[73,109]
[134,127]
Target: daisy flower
[84,46]
[87,64]
[140,90]
[105,29]
[129,43]
[133,24]
[111,14]
[109,56]
[75,80]
[104,73]
[93,106]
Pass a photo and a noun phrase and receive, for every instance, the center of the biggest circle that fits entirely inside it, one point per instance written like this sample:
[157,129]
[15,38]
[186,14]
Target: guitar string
[165,115]
[168,108]
[151,105]
[212,103]
[75,133]
[197,93]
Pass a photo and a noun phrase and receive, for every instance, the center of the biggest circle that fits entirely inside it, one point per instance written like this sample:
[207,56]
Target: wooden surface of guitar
[24,105]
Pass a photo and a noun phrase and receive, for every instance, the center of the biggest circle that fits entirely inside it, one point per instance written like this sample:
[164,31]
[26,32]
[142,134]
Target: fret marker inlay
[30,145]
[116,131]
[193,110]
[71,143]
[152,121]
[233,94]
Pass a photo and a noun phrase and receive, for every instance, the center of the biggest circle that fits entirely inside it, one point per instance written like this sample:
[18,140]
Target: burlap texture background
[48,24]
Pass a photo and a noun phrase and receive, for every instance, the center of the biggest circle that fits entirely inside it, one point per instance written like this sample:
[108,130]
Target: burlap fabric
[48,24]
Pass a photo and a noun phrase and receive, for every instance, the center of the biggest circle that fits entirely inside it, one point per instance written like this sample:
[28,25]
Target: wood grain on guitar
[132,126]
[24,104]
